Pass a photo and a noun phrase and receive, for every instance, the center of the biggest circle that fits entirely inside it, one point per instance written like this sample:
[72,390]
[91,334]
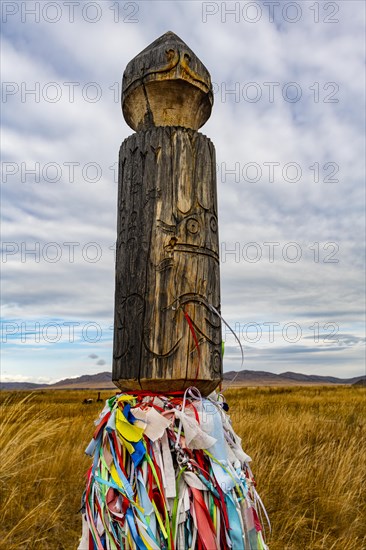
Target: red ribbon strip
[191,327]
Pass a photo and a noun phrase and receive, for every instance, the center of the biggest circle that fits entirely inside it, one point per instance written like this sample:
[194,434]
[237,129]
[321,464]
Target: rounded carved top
[166,85]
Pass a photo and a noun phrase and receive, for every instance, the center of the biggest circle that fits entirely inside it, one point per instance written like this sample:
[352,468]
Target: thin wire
[231,330]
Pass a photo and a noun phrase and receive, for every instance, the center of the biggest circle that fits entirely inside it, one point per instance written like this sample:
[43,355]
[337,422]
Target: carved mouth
[194,249]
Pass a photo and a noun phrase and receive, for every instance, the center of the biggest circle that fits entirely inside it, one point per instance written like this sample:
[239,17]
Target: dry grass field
[307,444]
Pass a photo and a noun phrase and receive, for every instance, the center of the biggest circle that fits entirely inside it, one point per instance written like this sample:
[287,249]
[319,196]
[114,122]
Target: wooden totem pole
[167,298]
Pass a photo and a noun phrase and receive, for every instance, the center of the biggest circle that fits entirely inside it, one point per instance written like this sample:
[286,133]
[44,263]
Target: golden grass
[42,467]
[309,457]
[307,444]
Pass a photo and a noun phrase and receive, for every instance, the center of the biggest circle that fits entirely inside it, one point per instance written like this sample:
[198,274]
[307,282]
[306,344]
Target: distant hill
[316,378]
[285,378]
[103,381]
[22,386]
[360,382]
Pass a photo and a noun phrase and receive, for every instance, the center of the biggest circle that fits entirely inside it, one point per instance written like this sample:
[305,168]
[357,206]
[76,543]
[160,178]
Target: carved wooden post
[166,336]
[167,333]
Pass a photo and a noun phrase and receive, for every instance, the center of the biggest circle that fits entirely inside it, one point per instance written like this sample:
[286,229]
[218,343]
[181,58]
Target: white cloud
[236,53]
[21,378]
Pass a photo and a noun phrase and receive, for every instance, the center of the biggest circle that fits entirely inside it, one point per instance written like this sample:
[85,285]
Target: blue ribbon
[235,528]
[136,537]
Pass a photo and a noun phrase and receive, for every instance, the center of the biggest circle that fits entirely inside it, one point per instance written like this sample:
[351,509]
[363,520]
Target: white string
[177,444]
[231,330]
[258,498]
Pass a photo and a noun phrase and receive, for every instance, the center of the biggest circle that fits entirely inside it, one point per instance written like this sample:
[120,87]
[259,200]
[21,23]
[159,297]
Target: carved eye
[216,364]
[193,226]
[187,57]
[170,54]
[213,224]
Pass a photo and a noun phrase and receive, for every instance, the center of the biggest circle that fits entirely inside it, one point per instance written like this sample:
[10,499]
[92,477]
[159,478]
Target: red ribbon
[191,328]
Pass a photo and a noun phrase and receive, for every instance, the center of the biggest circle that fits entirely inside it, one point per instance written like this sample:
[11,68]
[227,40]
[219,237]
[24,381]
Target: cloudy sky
[288,126]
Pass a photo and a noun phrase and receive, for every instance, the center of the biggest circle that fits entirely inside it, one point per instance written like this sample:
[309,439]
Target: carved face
[197,233]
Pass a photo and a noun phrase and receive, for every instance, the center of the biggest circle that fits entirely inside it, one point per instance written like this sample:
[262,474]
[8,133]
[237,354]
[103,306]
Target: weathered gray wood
[167,262]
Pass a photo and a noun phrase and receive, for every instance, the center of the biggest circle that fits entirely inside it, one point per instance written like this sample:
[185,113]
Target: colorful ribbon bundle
[169,473]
